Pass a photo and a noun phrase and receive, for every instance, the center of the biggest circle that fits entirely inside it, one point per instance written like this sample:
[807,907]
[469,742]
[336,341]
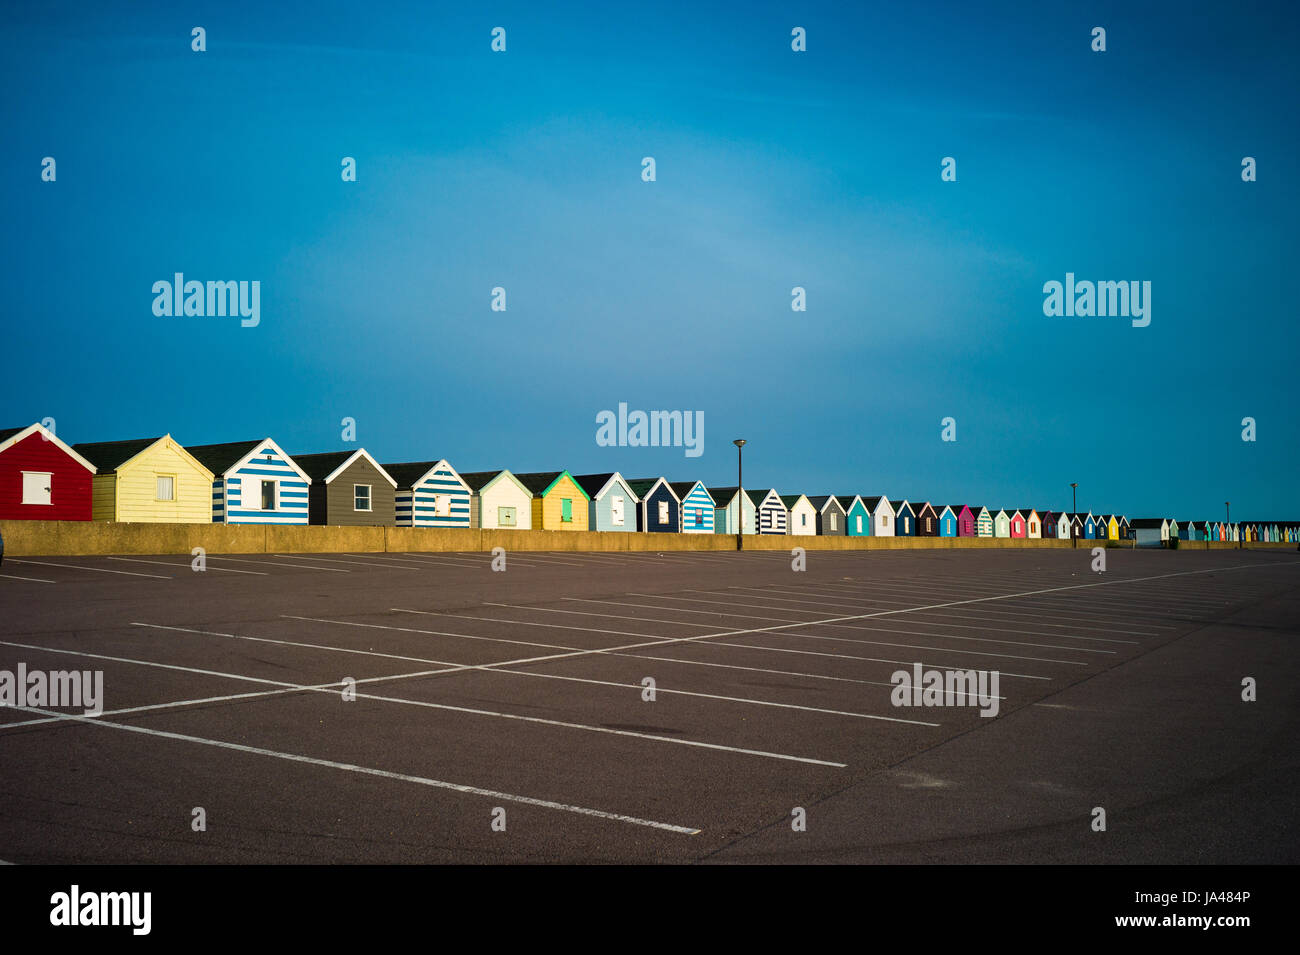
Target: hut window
[268,495]
[699,517]
[616,510]
[361,497]
[36,487]
[442,505]
[1033,528]
[566,509]
[166,487]
[804,519]
[835,524]
[884,520]
[506,516]
[859,523]
[663,512]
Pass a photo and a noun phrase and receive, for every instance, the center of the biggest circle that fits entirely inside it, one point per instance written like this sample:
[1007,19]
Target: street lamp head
[1074,484]
[739,442]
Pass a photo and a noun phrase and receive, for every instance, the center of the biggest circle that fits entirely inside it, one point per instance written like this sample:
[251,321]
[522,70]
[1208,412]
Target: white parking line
[30,580]
[276,563]
[333,689]
[383,773]
[168,563]
[98,570]
[335,560]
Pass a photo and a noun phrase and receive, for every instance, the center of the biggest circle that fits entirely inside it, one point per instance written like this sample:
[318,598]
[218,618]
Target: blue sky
[775,169]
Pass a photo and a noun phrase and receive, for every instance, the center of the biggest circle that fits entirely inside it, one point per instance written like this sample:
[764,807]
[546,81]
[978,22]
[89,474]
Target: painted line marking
[371,771]
[168,563]
[99,570]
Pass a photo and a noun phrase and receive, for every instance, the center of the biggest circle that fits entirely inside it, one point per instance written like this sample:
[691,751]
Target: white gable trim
[248,459]
[49,436]
[360,453]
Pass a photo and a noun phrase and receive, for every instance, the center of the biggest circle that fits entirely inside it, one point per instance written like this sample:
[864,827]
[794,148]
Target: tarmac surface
[518,698]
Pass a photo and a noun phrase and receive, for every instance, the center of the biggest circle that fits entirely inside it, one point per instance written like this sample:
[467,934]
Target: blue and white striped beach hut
[697,506]
[254,482]
[429,494]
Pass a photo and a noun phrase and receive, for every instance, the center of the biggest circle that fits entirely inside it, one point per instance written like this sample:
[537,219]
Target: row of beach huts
[256,482]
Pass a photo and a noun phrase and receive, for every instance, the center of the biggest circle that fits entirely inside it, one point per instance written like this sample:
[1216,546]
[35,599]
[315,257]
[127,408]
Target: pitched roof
[406,474]
[108,456]
[593,484]
[821,500]
[790,500]
[682,488]
[762,494]
[897,504]
[477,480]
[1147,523]
[320,466]
[641,486]
[10,432]
[538,481]
[220,458]
[873,502]
[722,496]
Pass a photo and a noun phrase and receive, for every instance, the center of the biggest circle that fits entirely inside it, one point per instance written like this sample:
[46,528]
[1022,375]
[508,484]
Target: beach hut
[559,503]
[831,516]
[498,501]
[773,518]
[904,518]
[149,480]
[660,510]
[1033,523]
[613,504]
[732,507]
[1151,531]
[883,522]
[927,520]
[254,482]
[41,478]
[965,520]
[1002,524]
[348,487]
[430,494]
[1175,532]
[697,506]
[948,520]
[1048,522]
[983,523]
[803,516]
[1018,525]
[857,519]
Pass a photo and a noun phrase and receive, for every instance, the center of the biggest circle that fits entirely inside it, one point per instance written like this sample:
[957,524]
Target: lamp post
[740,492]
[1227,519]
[1074,504]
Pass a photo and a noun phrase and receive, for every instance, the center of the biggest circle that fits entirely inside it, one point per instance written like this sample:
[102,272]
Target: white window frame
[275,494]
[859,517]
[835,521]
[157,490]
[48,491]
[370,498]
[663,512]
[514,516]
[617,510]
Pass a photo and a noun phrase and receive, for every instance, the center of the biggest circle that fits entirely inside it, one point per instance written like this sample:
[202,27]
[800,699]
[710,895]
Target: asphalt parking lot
[523,691]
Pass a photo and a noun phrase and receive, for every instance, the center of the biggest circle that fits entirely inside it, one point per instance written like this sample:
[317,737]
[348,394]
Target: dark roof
[749,492]
[956,508]
[408,473]
[722,496]
[320,466]
[108,456]
[592,483]
[538,481]
[641,486]
[220,458]
[682,488]
[821,500]
[476,480]
[873,502]
[897,504]
[6,433]
[1147,523]
[789,499]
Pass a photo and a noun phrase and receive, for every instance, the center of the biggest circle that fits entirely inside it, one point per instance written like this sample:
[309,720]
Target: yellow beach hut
[148,480]
[559,502]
